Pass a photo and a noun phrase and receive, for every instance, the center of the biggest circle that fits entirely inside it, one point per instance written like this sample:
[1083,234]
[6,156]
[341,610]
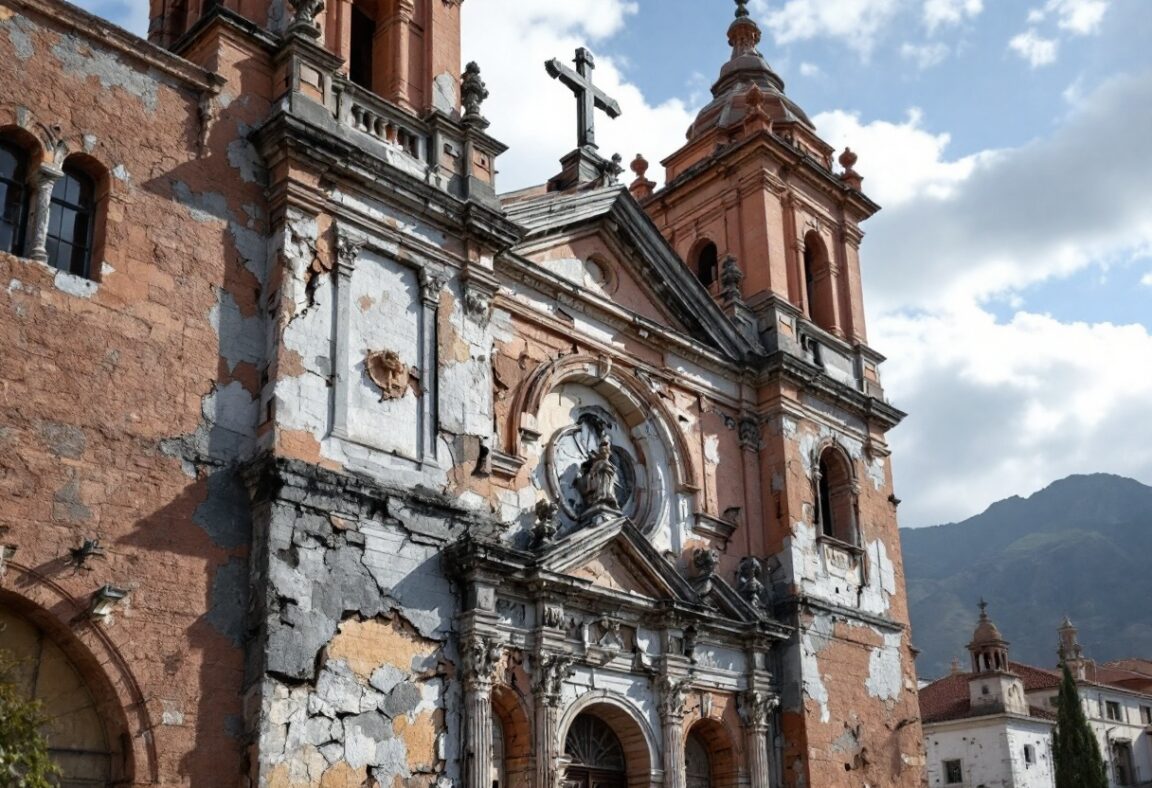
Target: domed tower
[993,685]
[756,206]
[1070,652]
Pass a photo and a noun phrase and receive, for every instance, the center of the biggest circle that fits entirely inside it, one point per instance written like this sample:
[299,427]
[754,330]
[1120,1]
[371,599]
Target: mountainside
[1081,547]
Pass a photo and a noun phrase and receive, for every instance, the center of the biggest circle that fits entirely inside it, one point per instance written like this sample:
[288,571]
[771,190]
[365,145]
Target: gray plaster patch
[66,503]
[242,155]
[365,737]
[337,686]
[204,207]
[241,337]
[230,600]
[79,58]
[18,26]
[74,285]
[444,93]
[63,440]
[403,699]
[224,513]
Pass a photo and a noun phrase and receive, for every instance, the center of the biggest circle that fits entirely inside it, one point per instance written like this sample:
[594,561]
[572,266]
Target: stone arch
[510,713]
[819,290]
[722,752]
[837,490]
[90,648]
[628,394]
[704,260]
[641,754]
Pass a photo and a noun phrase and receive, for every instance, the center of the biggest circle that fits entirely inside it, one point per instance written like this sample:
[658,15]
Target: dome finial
[741,9]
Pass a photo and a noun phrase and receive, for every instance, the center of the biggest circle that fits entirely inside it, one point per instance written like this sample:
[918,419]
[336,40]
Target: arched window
[707,264]
[362,44]
[71,222]
[818,282]
[698,766]
[596,753]
[836,504]
[13,197]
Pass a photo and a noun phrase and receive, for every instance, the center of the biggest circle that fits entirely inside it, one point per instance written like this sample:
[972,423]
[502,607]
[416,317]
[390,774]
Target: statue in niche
[594,479]
[597,481]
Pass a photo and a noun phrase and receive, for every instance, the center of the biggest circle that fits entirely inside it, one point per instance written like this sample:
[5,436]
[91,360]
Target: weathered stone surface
[366,739]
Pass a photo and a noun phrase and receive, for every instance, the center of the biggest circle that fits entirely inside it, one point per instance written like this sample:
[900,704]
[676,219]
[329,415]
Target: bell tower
[755,205]
[405,51]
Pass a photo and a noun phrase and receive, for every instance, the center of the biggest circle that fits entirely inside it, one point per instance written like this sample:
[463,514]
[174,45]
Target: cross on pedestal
[589,98]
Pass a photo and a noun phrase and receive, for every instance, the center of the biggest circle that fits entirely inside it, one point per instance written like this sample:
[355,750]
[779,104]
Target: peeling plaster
[78,58]
[885,678]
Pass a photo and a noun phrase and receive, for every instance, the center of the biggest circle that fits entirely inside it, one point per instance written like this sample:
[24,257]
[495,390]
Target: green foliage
[1077,754]
[24,761]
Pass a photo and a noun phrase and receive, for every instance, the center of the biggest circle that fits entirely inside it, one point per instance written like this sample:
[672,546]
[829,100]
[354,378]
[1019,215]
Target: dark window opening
[70,223]
[809,277]
[360,57]
[825,501]
[707,264]
[836,498]
[13,198]
[953,772]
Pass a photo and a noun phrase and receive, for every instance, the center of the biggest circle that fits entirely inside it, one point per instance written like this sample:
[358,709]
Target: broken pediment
[615,556]
[602,242]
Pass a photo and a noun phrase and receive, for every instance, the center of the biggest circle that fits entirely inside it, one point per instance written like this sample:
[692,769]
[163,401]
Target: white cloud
[810,70]
[1146,280]
[1079,17]
[536,115]
[939,13]
[1000,408]
[1034,48]
[925,55]
[858,23]
[900,161]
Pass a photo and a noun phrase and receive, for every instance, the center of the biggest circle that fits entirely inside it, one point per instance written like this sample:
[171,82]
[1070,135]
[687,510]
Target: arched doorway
[596,755]
[697,764]
[78,739]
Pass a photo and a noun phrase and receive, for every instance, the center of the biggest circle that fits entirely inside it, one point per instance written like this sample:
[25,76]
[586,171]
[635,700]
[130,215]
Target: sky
[1008,278]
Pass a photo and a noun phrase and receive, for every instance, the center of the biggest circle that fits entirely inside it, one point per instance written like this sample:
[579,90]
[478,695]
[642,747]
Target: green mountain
[1081,547]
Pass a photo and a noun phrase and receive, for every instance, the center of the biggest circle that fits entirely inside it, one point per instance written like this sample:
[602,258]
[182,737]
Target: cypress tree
[1074,746]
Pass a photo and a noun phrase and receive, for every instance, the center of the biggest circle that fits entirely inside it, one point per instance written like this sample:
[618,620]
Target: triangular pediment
[616,557]
[569,235]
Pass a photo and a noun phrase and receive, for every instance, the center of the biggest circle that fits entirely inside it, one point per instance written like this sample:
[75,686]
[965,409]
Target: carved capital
[672,693]
[755,707]
[431,284]
[552,670]
[480,656]
[348,248]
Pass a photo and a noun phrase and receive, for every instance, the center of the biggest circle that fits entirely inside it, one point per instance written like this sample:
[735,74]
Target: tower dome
[988,647]
[745,70]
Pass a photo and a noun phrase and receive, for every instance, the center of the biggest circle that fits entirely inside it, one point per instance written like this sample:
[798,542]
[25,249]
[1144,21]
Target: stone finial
[304,14]
[731,277]
[743,33]
[741,9]
[641,188]
[473,91]
[848,161]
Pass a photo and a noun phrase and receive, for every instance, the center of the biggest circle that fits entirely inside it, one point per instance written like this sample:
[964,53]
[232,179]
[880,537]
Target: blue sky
[1009,276]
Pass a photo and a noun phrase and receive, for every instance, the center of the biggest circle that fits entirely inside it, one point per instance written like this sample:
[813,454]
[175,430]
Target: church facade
[323,462]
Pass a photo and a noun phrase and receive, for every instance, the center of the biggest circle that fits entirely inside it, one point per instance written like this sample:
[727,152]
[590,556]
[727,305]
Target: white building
[992,727]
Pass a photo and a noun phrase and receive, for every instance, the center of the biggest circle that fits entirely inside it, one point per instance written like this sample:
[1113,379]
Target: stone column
[405,10]
[479,658]
[37,233]
[672,691]
[755,707]
[551,672]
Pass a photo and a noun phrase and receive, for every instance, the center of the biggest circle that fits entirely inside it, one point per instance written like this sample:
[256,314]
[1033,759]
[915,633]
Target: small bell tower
[992,685]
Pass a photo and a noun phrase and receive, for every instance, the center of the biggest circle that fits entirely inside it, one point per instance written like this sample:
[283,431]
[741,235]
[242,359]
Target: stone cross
[589,98]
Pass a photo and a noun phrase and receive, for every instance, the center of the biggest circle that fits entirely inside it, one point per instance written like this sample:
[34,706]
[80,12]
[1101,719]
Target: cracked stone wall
[127,400]
[357,631]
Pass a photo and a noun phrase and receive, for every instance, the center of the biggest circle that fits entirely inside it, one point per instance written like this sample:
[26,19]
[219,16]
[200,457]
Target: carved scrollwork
[552,671]
[672,693]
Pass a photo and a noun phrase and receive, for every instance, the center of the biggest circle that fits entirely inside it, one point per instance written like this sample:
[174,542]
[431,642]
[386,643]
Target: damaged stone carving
[545,527]
[480,657]
[391,375]
[552,671]
[304,17]
[672,692]
[755,706]
[705,559]
[750,583]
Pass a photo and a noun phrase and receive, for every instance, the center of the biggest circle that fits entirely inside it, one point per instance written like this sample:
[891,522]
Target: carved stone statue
[749,582]
[473,91]
[597,482]
[545,527]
